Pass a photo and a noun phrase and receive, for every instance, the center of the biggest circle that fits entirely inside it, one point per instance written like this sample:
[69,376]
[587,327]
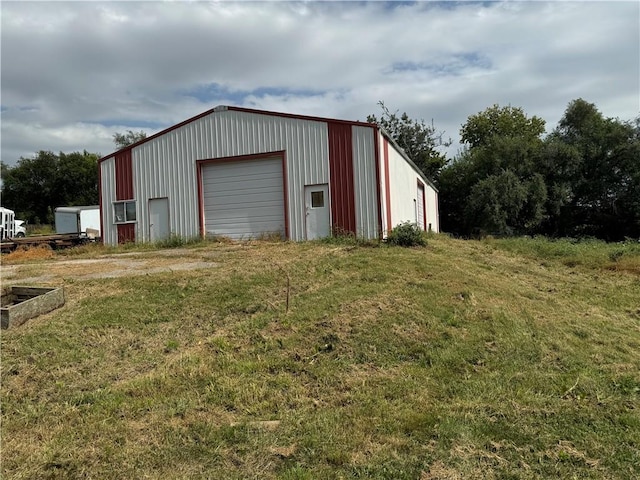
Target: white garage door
[244,199]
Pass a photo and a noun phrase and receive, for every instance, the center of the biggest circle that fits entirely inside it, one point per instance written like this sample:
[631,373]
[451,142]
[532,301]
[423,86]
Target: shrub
[406,234]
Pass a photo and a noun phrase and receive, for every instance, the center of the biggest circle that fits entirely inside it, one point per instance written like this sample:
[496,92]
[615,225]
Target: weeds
[177,241]
[590,253]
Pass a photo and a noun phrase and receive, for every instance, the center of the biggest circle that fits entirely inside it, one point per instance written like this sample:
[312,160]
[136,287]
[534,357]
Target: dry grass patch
[26,254]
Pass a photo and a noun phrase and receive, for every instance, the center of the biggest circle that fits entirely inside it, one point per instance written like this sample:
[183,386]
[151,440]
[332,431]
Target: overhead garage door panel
[244,199]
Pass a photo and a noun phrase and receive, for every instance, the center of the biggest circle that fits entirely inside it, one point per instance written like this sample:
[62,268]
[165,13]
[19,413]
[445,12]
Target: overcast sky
[74,73]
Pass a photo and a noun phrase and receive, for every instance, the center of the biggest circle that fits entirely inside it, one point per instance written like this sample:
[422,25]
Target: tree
[481,128]
[34,187]
[418,140]
[582,180]
[493,186]
[77,180]
[593,170]
[125,139]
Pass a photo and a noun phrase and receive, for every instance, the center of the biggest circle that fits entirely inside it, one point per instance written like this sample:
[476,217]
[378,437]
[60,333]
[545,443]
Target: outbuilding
[243,173]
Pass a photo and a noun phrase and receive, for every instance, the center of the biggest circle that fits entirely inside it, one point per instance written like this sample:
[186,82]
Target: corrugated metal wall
[107,196]
[400,184]
[403,188]
[343,210]
[166,166]
[364,178]
[433,216]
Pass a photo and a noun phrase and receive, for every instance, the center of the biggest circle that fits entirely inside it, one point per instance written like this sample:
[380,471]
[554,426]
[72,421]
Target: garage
[244,198]
[243,174]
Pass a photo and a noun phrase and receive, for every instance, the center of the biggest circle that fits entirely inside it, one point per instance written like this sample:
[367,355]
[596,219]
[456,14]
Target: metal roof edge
[401,151]
[219,108]
[301,117]
[75,208]
[223,108]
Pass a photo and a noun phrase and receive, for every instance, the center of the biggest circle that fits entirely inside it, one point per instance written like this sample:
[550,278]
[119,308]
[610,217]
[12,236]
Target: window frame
[125,209]
[314,197]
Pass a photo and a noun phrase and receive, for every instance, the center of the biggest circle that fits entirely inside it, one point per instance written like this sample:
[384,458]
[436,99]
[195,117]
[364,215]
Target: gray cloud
[75,73]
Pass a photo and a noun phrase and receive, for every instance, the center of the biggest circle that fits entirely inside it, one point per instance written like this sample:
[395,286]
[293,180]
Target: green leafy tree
[593,173]
[480,129]
[34,187]
[123,140]
[77,180]
[494,186]
[419,140]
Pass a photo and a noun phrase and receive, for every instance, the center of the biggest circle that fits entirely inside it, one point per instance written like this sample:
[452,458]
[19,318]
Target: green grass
[588,252]
[40,229]
[463,359]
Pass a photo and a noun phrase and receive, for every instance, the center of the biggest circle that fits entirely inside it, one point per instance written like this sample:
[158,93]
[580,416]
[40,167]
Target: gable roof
[223,108]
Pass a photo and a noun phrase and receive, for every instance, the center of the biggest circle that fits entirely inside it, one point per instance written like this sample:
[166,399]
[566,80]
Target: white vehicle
[7,223]
[83,220]
[20,228]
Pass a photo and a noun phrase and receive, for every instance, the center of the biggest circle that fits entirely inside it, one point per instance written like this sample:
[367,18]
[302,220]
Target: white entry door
[158,219]
[316,199]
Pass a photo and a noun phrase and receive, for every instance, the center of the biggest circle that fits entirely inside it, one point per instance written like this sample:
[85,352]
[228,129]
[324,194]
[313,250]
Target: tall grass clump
[177,241]
[587,252]
[343,237]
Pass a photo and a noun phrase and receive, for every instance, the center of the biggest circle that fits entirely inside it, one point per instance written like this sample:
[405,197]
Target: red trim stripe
[200,198]
[343,204]
[126,232]
[124,175]
[387,182]
[100,202]
[285,185]
[376,149]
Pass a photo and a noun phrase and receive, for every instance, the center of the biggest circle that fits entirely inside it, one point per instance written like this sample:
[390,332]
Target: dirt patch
[105,267]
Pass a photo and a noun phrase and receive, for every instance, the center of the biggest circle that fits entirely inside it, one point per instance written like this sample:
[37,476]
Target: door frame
[200,164]
[423,189]
[327,206]
[168,218]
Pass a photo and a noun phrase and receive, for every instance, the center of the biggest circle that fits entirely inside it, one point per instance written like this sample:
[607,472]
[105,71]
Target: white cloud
[75,73]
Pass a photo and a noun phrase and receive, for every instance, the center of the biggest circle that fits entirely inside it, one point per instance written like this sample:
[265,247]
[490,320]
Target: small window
[124,211]
[317,199]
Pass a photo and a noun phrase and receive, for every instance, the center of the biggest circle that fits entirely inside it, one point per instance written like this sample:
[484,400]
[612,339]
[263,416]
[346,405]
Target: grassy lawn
[463,359]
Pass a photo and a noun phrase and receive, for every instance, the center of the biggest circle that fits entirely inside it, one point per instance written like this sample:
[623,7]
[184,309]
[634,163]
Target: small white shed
[244,173]
[78,219]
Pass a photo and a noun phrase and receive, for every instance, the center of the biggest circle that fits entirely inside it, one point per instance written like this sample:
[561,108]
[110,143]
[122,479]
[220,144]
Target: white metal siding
[108,196]
[244,199]
[166,166]
[364,179]
[433,218]
[403,191]
[403,183]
